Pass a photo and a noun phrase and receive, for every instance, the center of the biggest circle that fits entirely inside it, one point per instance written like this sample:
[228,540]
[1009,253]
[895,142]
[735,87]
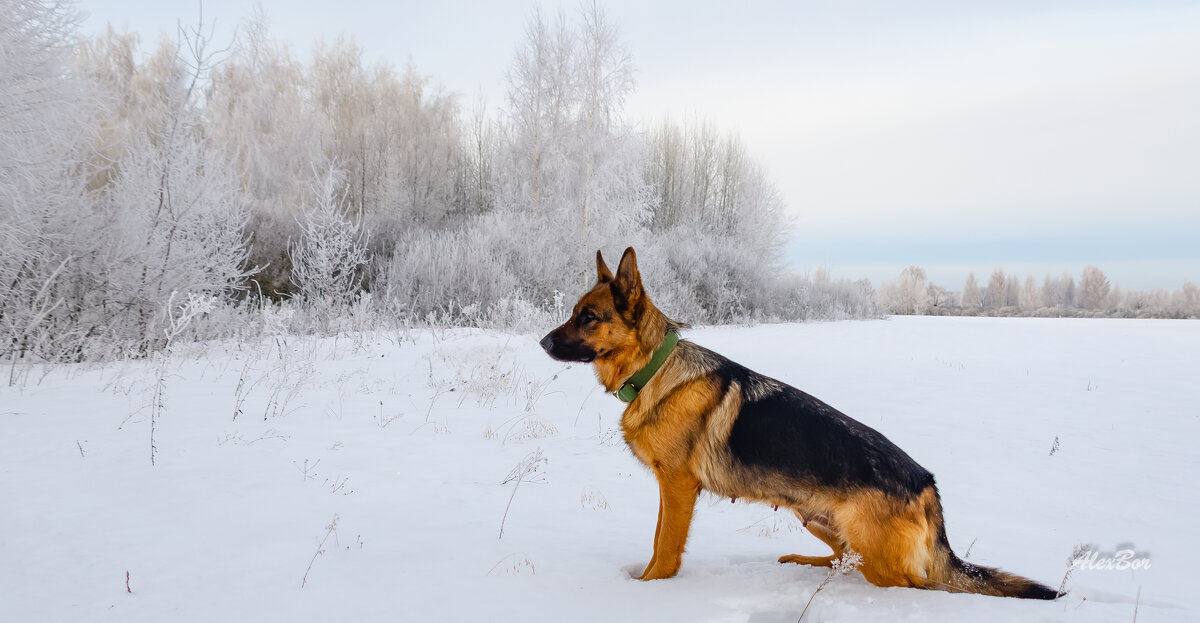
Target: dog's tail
[961,576]
[951,573]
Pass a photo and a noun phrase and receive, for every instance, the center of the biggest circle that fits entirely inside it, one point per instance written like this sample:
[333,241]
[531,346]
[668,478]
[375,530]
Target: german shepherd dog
[703,422]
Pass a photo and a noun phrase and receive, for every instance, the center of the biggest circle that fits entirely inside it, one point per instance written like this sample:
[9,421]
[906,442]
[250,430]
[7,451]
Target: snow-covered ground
[401,442]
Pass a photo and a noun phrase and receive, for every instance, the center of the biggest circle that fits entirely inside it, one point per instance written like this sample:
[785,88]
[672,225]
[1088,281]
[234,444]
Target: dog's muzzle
[563,349]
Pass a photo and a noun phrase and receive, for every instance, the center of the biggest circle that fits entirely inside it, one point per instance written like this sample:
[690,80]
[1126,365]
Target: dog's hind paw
[815,561]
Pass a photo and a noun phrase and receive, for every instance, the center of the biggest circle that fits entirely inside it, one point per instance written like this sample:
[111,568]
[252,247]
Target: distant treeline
[1005,294]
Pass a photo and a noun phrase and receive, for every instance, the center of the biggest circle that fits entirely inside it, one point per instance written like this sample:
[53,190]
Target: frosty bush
[176,216]
[328,259]
[448,273]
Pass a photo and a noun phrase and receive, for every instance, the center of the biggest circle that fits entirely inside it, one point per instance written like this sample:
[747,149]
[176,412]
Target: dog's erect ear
[627,286]
[603,274]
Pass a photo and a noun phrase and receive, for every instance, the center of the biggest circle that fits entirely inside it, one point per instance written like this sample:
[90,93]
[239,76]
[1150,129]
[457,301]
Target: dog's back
[785,430]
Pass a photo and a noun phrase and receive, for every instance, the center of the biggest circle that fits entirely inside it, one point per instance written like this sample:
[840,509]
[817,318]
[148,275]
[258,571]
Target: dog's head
[614,325]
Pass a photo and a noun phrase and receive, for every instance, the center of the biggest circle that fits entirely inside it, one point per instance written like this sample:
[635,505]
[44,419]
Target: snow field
[400,441]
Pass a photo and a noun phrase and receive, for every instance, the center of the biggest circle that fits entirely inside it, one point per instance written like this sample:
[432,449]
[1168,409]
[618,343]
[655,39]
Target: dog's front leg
[657,531]
[677,500]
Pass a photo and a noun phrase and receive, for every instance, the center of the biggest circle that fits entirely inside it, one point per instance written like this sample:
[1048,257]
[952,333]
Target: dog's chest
[657,441]
[638,442]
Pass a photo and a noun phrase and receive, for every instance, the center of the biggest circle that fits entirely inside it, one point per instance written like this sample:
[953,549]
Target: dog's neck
[613,371]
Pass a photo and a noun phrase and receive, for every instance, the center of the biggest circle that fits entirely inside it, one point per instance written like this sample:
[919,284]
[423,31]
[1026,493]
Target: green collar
[630,389]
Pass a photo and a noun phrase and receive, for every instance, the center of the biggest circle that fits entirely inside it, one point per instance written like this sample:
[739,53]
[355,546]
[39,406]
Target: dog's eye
[586,316]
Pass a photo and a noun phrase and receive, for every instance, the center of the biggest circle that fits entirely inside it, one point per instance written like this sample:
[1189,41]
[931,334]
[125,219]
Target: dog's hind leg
[829,537]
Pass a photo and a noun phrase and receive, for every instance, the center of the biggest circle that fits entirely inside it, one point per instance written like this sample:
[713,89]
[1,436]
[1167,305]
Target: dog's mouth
[568,351]
[579,358]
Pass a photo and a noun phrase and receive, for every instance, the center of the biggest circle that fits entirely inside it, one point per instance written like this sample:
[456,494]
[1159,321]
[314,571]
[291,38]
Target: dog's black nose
[547,342]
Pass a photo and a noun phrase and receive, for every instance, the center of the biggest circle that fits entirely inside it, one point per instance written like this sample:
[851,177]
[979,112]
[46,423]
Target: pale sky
[1035,136]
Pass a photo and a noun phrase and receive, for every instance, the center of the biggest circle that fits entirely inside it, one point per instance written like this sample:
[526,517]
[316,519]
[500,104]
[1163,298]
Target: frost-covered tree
[328,259]
[1187,300]
[718,213]
[568,167]
[1031,297]
[163,219]
[937,298]
[569,154]
[614,195]
[175,208]
[340,88]
[1049,293]
[36,103]
[909,295]
[997,290]
[1070,293]
[106,62]
[1059,292]
[481,148]
[1138,304]
[44,227]
[972,297]
[696,172]
[1012,291]
[397,136]
[535,171]
[259,109]
[425,163]
[1094,288]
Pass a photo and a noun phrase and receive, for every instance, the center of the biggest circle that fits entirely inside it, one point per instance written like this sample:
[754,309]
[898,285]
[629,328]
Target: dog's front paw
[658,572]
[634,571]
